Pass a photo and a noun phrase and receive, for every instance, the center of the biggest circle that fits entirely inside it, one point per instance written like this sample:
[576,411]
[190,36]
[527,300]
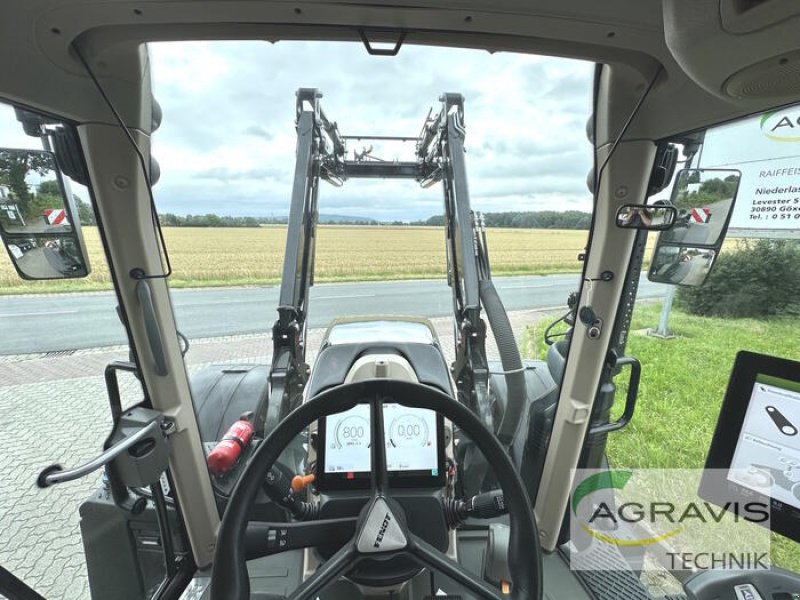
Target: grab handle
[151,326]
[630,400]
[57,474]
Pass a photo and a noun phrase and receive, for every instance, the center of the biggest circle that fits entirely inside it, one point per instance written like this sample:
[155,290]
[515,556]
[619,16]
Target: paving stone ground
[54,409]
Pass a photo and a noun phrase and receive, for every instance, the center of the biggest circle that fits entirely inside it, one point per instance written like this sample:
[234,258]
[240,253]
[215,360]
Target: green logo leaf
[599,481]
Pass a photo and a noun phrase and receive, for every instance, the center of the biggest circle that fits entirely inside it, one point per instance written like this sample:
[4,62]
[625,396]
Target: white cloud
[227,139]
[11,134]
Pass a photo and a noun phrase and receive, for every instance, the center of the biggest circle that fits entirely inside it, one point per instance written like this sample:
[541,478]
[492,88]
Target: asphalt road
[48,323]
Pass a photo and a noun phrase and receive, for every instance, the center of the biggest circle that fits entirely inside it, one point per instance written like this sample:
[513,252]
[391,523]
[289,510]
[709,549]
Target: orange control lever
[301,481]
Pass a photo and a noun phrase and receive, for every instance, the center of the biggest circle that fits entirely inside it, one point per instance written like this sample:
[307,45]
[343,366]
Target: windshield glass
[380,248]
[227,152]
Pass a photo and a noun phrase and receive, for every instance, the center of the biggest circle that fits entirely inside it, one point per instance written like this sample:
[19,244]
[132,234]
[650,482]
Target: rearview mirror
[37,222]
[651,218]
[686,253]
[681,266]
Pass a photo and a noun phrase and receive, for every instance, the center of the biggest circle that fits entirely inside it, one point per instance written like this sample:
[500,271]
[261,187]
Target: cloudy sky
[227,140]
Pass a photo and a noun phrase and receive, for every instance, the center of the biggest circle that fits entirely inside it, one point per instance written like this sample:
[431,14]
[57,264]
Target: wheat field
[254,256]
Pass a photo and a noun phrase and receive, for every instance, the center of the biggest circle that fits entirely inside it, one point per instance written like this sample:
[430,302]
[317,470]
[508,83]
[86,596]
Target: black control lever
[279,489]
[264,539]
[481,506]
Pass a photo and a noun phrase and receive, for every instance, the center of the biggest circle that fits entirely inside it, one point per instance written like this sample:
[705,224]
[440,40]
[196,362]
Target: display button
[747,591]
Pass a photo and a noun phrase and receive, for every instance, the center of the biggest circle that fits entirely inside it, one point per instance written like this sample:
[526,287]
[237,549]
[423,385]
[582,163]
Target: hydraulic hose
[509,357]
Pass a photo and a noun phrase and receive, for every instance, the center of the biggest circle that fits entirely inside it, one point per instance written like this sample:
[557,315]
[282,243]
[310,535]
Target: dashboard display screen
[767,454]
[414,447]
[755,452]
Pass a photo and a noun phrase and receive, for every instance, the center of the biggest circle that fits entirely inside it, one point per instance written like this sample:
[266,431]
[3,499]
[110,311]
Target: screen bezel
[326,482]
[784,519]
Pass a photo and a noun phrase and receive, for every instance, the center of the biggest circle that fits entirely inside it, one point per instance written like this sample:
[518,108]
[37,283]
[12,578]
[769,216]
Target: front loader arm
[289,372]
[321,155]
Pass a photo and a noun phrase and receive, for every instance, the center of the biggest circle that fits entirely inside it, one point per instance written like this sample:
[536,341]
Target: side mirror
[681,265]
[37,219]
[704,199]
[651,218]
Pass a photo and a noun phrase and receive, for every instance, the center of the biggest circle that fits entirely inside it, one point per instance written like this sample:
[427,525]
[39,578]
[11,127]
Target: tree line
[545,219]
[213,220]
[692,192]
[208,220]
[542,219]
[15,166]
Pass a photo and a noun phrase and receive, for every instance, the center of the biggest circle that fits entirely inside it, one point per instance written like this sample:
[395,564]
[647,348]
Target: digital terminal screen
[757,440]
[414,447]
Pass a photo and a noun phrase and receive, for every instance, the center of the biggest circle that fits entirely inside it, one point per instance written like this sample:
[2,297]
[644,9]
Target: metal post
[662,331]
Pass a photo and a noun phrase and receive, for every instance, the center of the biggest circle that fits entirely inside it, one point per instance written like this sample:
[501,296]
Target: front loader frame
[322,155]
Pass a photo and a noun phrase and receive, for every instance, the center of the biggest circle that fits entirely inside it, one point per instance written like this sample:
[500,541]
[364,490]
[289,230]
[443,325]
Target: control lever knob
[279,489]
[487,505]
[299,482]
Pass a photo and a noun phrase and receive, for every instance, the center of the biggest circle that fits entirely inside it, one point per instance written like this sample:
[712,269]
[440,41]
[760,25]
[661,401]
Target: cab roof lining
[109,33]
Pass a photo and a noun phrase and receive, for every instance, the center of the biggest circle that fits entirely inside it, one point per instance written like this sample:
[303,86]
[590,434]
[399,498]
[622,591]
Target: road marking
[540,308]
[525,287]
[219,302]
[345,296]
[39,314]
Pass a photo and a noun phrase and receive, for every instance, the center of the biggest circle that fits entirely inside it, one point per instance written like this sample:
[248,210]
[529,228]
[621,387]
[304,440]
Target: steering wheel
[381,530]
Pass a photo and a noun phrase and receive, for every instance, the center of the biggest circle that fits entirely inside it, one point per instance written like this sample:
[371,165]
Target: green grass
[682,387]
[683,384]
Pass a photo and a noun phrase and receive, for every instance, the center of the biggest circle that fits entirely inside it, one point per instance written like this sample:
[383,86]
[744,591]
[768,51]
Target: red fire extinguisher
[230,447]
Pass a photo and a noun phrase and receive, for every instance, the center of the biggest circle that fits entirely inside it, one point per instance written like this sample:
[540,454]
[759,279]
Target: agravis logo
[781,125]
[660,519]
[657,513]
[602,514]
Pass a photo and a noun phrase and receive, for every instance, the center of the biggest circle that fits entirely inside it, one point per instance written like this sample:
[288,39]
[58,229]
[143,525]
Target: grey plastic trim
[151,327]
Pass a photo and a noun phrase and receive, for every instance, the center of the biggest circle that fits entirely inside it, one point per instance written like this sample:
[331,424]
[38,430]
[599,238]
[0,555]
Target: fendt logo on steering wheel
[382,531]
